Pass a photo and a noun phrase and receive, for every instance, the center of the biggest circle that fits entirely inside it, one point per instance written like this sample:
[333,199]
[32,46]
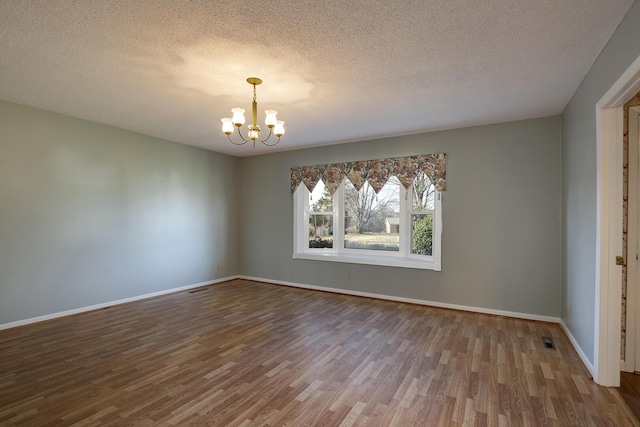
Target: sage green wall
[501,213]
[91,214]
[579,179]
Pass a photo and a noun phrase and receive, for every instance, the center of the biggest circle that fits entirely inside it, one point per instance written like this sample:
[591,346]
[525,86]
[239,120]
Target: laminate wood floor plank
[630,391]
[244,353]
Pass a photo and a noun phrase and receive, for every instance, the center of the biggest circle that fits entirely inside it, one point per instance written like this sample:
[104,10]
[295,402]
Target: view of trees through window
[320,218]
[422,207]
[372,221]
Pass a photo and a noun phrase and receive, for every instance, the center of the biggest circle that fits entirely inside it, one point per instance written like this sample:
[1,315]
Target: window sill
[390,261]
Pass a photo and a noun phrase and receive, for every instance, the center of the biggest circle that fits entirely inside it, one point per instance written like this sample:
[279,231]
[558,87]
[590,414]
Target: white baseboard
[576,346]
[110,303]
[514,314]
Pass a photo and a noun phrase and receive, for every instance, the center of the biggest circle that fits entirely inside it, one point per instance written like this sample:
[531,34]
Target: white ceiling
[335,70]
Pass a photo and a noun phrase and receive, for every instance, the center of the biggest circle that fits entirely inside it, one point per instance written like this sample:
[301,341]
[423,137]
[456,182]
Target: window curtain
[375,172]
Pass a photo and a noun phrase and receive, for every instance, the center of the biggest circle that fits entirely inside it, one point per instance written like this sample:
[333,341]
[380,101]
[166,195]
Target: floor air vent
[197,290]
[548,343]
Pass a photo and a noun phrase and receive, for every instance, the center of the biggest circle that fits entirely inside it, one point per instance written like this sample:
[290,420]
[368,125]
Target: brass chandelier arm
[244,140]
[264,141]
[241,137]
[271,145]
[237,143]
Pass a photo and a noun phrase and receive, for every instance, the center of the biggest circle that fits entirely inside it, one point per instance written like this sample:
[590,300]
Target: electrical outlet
[568,306]
[349,275]
[219,266]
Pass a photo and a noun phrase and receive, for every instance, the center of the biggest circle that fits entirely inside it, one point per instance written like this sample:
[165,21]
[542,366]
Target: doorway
[608,308]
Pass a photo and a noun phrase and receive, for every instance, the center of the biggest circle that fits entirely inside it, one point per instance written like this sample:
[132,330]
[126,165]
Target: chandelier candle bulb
[279,128]
[275,126]
[227,125]
[270,119]
[238,116]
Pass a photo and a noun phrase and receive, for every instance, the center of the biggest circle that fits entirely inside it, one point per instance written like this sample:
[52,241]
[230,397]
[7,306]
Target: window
[321,213]
[395,227]
[371,220]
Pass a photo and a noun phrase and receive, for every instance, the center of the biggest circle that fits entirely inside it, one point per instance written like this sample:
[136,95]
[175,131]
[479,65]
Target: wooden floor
[630,391]
[244,353]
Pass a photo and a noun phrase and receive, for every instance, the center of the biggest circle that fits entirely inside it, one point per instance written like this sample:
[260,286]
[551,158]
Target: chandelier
[276,127]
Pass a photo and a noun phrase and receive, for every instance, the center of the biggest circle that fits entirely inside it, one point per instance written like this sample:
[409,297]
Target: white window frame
[402,258]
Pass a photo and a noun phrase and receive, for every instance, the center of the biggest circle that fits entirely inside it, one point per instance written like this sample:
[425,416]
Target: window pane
[320,200]
[320,231]
[423,193]
[372,222]
[421,234]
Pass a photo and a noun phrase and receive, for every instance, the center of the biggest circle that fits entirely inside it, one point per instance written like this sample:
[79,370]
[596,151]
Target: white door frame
[609,128]
[631,361]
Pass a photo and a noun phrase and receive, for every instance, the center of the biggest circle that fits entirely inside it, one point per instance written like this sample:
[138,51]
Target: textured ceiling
[335,70]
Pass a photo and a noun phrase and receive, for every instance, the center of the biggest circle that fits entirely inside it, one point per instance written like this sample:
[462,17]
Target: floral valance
[376,172]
